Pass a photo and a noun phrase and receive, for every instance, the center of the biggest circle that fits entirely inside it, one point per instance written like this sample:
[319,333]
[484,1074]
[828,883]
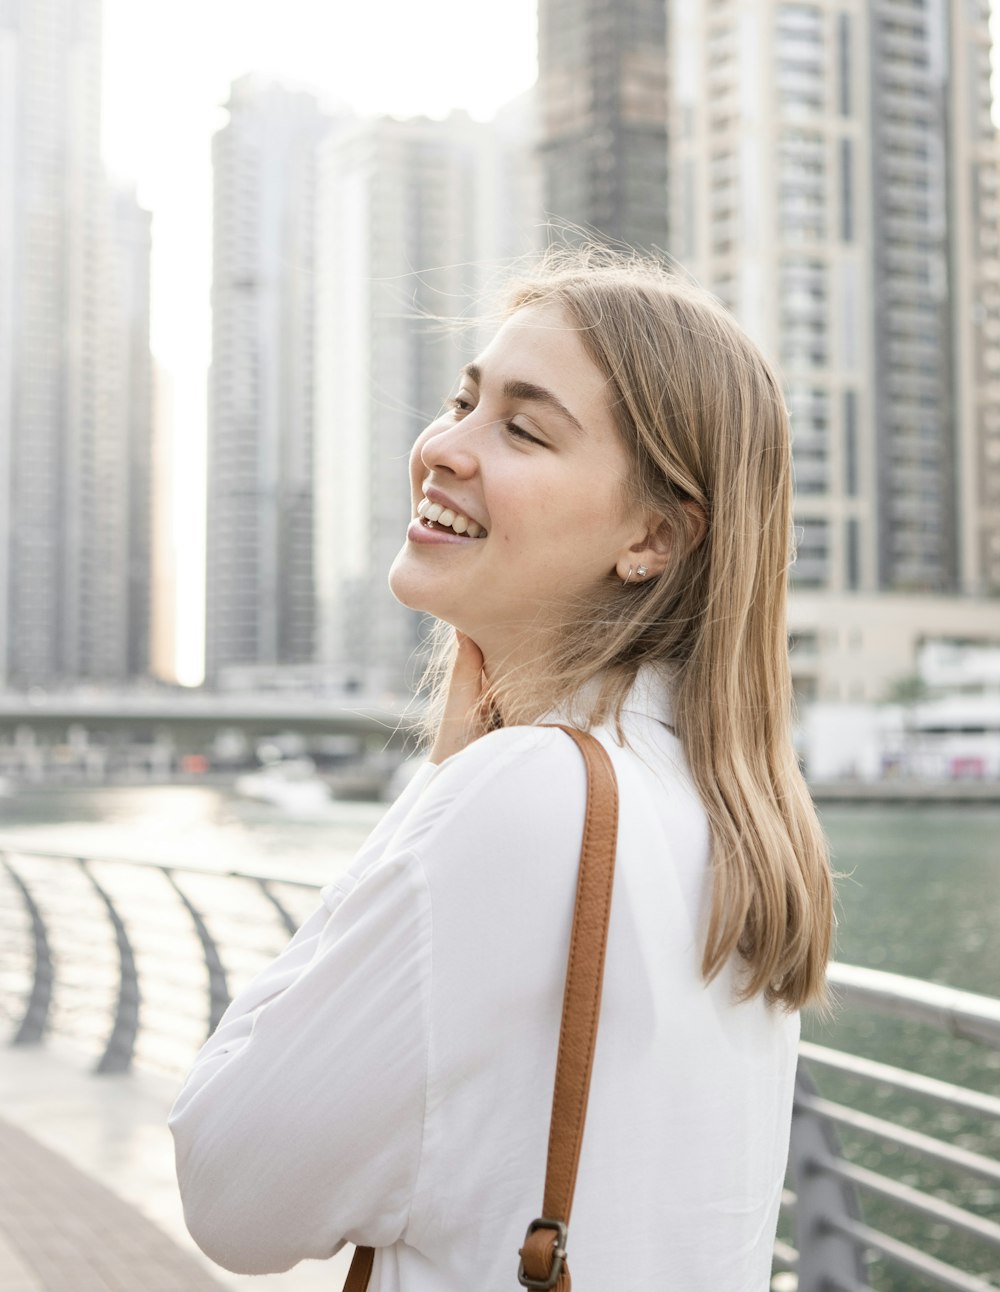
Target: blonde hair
[704,424]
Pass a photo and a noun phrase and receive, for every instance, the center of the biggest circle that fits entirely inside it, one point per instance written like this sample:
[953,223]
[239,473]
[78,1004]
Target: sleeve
[299,1127]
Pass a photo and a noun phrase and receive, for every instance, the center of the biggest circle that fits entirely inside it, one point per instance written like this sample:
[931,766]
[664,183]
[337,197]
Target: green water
[920,895]
[920,891]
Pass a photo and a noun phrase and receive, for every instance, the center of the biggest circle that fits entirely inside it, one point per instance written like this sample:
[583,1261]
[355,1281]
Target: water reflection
[188,825]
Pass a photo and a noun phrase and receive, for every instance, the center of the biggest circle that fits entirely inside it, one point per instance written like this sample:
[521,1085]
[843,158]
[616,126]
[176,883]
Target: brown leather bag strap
[543,1256]
[361,1269]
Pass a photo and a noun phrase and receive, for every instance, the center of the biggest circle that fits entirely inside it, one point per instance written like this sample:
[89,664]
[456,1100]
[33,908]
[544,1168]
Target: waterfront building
[602,84]
[860,647]
[74,366]
[163,645]
[259,577]
[413,217]
[834,179]
[940,741]
[118,610]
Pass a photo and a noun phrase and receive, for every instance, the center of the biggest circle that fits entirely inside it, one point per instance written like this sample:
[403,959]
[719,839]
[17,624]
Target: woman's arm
[300,1125]
[303,1123]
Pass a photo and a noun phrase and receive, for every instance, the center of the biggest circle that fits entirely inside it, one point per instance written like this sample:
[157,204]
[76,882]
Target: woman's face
[527,463]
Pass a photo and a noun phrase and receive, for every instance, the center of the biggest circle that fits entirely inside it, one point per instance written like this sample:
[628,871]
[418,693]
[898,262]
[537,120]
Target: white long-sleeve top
[388,1079]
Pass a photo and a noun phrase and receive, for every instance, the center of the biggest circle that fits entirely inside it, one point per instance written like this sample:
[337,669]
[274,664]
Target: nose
[449,449]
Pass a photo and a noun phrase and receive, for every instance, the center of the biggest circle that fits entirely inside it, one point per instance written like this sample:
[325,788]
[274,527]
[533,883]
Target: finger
[465,688]
[469,656]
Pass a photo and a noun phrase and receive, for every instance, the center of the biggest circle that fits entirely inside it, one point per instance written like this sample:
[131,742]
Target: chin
[414,589]
[411,587]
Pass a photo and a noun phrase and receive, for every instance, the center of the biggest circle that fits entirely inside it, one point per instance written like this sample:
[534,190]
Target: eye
[461,404]
[519,433]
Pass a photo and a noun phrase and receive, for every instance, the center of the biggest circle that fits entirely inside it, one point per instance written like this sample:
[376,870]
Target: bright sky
[167,71]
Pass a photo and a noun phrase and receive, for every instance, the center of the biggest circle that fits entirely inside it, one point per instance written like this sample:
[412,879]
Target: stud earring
[642,571]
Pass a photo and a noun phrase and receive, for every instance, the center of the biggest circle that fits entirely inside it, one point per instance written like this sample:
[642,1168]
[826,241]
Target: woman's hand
[465,712]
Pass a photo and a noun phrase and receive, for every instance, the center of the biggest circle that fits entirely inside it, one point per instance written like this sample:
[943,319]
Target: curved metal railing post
[827,1258]
[120,1047]
[36,1016]
[291,928]
[218,986]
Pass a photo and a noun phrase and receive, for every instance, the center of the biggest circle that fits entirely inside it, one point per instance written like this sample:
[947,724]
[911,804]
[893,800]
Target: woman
[602,512]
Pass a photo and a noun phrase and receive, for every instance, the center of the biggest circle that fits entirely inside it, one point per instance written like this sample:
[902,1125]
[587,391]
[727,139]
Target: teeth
[434,513]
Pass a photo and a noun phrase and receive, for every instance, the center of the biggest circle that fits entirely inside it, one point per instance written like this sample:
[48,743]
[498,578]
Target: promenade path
[88,1201]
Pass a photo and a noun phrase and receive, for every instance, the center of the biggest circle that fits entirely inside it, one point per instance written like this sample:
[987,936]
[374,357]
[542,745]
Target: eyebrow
[515,389]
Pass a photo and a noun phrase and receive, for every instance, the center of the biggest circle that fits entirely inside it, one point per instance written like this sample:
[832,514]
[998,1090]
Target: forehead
[541,344]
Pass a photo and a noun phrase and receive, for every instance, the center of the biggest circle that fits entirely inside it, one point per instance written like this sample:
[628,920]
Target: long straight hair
[705,428]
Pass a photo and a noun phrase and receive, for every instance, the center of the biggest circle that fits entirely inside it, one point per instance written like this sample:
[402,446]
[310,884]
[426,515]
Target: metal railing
[892,1185]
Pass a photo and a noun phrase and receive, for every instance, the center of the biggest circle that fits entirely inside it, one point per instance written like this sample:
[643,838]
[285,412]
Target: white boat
[291,784]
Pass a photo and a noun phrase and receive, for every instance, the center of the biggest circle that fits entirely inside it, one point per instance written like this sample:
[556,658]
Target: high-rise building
[163,644]
[602,85]
[260,595]
[413,216]
[974,189]
[834,175]
[74,361]
[115,617]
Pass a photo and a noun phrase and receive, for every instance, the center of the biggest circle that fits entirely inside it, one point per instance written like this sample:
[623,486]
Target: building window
[812,552]
[846,190]
[844,62]
[853,555]
[851,443]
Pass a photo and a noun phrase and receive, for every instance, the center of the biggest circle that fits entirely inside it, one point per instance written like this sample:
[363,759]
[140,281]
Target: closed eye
[461,405]
[519,433]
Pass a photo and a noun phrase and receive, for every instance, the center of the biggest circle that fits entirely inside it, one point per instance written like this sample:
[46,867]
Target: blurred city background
[244,250]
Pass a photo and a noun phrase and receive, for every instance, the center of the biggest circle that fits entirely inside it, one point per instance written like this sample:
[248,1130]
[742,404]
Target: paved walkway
[63,1231]
[88,1201]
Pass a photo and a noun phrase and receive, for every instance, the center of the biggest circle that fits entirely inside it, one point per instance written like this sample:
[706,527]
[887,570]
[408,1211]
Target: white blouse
[388,1079]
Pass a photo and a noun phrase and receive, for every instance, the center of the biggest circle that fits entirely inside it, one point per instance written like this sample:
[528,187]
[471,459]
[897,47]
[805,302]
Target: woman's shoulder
[503,761]
[507,784]
[543,743]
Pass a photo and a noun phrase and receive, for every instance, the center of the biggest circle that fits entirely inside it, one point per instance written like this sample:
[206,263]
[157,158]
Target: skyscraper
[411,215]
[602,83]
[74,360]
[260,594]
[116,615]
[834,180]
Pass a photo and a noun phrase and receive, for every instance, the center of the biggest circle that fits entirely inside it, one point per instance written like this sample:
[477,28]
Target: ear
[661,543]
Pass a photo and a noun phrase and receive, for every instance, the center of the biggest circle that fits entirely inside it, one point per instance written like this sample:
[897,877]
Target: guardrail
[891,1188]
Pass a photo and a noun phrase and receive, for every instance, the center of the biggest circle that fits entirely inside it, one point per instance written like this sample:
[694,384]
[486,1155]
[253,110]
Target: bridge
[193,716]
[100,736]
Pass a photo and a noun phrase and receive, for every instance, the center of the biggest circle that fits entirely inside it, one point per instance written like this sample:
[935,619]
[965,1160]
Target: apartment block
[602,88]
[74,366]
[414,220]
[260,589]
[834,174]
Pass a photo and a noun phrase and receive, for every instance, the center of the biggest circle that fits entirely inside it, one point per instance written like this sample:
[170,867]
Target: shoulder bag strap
[543,1256]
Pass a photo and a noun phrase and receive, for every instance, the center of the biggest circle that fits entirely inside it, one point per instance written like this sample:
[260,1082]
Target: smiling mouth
[434,516]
